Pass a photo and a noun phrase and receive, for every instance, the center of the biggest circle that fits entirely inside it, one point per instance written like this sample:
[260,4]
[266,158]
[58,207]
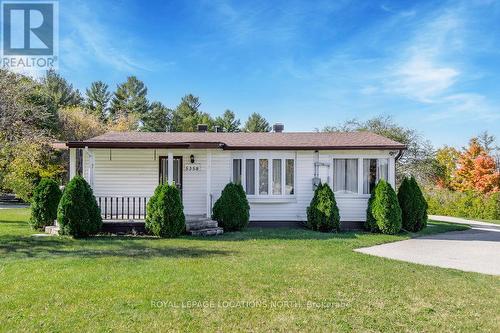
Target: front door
[177,172]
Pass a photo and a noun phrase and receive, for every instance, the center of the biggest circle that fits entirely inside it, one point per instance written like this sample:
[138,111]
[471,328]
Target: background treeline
[36,113]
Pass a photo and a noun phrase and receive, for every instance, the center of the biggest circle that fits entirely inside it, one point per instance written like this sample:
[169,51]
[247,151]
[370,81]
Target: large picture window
[373,171]
[345,176]
[265,176]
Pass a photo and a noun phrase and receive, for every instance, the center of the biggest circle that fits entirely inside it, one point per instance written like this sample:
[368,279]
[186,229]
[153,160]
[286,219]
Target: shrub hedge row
[471,205]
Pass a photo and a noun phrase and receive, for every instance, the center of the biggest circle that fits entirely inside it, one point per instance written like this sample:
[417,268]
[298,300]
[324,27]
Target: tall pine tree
[97,99]
[158,119]
[256,123]
[187,115]
[129,99]
[228,122]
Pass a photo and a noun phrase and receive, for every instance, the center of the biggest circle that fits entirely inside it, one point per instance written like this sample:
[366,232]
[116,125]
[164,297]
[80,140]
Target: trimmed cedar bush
[78,214]
[384,209]
[44,204]
[323,213]
[413,205]
[371,223]
[165,212]
[232,210]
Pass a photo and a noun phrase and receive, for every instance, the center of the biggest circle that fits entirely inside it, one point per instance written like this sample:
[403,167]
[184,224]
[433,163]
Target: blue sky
[432,65]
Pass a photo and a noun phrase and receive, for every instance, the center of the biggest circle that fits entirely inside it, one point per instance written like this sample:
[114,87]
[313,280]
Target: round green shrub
[413,205]
[78,214]
[165,212]
[232,210]
[384,207]
[44,202]
[323,213]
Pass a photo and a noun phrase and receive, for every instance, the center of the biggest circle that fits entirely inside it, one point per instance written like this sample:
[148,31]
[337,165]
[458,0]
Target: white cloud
[91,41]
[423,79]
[466,105]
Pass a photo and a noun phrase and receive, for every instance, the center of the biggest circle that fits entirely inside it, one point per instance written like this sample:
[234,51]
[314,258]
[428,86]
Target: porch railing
[123,208]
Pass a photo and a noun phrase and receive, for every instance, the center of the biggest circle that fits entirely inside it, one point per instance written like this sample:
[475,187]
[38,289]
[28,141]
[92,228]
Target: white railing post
[170,166]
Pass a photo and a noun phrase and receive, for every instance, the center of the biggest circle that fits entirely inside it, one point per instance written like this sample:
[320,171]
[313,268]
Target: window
[237,171]
[345,176]
[277,177]
[290,174]
[263,177]
[373,171]
[250,176]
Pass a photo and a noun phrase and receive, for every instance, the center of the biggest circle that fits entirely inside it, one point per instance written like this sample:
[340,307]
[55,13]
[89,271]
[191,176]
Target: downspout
[399,155]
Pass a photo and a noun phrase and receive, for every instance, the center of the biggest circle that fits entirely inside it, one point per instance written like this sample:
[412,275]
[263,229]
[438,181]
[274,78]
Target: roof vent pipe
[278,128]
[202,128]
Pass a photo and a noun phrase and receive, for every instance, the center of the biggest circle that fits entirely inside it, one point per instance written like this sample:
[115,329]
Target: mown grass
[256,280]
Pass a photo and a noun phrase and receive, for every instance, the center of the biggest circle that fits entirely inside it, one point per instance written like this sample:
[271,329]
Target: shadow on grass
[51,247]
[254,233]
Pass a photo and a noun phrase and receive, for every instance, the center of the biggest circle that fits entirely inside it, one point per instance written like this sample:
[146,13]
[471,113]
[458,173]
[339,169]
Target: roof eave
[204,145]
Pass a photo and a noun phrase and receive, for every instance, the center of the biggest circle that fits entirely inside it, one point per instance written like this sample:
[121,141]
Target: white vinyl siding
[135,172]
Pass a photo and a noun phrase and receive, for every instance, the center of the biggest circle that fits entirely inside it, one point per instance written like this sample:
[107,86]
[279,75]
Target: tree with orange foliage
[476,170]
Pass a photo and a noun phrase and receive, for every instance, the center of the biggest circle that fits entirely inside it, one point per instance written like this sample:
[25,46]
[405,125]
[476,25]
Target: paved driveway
[4,205]
[473,250]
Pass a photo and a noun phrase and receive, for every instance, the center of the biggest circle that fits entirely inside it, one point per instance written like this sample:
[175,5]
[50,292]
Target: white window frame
[270,156]
[360,157]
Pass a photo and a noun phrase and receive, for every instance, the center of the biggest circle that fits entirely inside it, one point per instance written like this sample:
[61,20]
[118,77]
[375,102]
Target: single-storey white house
[278,170]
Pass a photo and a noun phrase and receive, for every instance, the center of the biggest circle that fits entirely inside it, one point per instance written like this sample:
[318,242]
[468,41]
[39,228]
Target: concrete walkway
[473,250]
[5,205]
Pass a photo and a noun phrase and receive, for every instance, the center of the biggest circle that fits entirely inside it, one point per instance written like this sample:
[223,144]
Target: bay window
[265,176]
[345,176]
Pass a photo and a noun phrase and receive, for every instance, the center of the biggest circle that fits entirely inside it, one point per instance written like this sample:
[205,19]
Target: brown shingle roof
[241,141]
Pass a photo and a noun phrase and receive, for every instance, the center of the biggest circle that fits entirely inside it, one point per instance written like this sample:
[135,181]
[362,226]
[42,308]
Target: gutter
[221,145]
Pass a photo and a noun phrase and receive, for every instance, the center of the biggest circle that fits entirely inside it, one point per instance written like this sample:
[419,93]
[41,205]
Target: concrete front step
[52,230]
[197,225]
[207,232]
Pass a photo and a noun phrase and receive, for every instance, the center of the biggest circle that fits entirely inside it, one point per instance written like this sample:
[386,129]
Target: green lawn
[257,280]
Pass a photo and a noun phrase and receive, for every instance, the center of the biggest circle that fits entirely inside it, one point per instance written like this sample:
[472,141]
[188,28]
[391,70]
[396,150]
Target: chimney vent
[278,128]
[218,129]
[202,128]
